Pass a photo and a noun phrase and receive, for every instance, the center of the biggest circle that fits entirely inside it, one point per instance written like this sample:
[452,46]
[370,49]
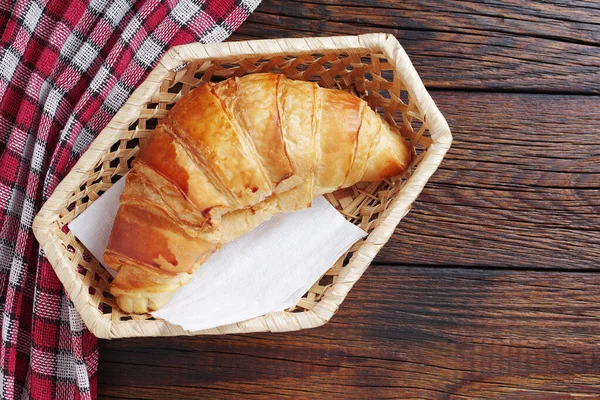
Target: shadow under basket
[373,66]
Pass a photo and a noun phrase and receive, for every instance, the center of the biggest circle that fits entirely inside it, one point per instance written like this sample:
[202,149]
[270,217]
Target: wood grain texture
[402,333]
[489,287]
[520,186]
[501,45]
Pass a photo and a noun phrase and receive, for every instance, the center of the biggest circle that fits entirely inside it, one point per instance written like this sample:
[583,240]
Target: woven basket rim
[44,226]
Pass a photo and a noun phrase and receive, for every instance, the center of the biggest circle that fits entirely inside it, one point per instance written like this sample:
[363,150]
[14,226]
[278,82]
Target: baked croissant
[227,157]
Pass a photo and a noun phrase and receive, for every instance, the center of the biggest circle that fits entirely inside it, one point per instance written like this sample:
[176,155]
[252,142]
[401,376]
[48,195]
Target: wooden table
[490,286]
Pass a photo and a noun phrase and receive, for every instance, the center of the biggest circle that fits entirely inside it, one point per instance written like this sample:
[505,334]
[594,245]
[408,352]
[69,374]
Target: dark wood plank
[519,189]
[520,186]
[502,45]
[402,333]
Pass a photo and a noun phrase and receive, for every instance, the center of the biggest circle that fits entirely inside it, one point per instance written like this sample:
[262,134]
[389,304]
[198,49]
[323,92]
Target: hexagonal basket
[373,66]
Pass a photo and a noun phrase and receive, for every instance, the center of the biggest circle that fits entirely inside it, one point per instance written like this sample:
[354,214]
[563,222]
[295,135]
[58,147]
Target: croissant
[227,157]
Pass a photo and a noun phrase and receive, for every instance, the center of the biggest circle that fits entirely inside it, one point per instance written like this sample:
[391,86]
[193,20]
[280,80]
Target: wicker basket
[373,66]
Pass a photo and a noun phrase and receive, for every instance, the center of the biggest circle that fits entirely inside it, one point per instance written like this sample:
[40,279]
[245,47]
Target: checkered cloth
[67,66]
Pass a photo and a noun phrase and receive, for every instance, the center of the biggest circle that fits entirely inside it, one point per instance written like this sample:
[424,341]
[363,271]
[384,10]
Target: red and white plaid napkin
[66,67]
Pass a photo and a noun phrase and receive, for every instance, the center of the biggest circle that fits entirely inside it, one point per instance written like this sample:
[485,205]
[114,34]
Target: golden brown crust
[228,157]
[165,158]
[339,124]
[222,149]
[252,102]
[369,128]
[297,110]
[147,236]
[389,157]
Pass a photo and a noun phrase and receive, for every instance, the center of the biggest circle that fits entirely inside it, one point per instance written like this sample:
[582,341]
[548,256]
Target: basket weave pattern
[373,67]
